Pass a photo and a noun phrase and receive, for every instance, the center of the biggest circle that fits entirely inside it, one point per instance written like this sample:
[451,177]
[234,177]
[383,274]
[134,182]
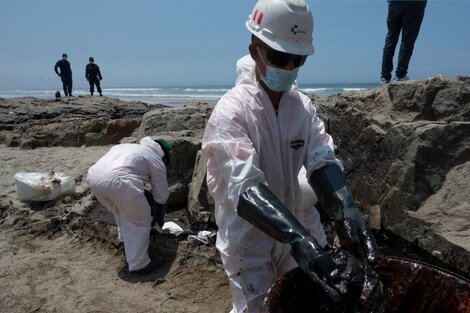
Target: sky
[197,43]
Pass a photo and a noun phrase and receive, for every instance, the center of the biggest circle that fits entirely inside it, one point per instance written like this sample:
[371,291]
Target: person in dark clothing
[404,17]
[65,74]
[93,75]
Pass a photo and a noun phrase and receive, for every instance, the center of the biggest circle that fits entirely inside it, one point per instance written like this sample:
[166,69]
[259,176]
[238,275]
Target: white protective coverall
[117,180]
[311,219]
[247,143]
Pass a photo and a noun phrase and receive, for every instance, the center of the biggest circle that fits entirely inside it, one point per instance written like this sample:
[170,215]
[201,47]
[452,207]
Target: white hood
[246,70]
[155,147]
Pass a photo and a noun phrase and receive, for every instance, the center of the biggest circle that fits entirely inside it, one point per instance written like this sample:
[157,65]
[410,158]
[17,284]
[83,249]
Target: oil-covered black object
[359,285]
[408,287]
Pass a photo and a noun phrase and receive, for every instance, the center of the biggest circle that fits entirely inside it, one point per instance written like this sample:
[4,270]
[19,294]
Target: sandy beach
[48,266]
[63,255]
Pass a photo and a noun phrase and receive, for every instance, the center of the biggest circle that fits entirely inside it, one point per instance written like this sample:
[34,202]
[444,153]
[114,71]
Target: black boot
[152,266]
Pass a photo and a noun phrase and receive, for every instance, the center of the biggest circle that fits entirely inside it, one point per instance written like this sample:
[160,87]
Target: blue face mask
[278,79]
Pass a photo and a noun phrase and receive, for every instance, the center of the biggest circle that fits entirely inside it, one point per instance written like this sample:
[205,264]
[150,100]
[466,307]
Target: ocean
[178,96]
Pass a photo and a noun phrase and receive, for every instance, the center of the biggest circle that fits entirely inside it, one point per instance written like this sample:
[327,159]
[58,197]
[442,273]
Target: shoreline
[179,96]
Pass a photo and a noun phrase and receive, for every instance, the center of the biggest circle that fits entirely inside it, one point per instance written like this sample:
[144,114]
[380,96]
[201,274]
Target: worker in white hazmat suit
[258,137]
[117,180]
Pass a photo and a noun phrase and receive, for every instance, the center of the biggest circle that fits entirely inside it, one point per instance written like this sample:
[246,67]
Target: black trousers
[67,85]
[94,82]
[404,17]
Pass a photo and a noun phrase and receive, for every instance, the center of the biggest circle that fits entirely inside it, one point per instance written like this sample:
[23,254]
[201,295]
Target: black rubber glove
[157,210]
[261,208]
[329,184]
[159,215]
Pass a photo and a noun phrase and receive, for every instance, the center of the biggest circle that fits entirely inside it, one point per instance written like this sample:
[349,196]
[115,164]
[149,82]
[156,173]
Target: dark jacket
[65,70]
[92,71]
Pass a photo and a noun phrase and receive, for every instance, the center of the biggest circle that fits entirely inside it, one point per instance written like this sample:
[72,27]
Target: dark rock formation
[184,128]
[200,203]
[190,119]
[405,148]
[71,121]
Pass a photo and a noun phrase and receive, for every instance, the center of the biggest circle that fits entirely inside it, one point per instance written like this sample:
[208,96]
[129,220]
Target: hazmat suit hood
[246,70]
[155,147]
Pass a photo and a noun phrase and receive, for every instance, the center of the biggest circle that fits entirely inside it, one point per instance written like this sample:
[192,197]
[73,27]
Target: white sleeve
[158,179]
[233,162]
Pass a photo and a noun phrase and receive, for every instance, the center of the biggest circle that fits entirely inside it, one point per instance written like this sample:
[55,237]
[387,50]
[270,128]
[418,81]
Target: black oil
[395,285]
[393,245]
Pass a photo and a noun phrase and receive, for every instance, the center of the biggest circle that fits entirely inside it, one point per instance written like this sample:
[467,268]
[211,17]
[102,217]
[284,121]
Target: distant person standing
[65,74]
[93,75]
[404,17]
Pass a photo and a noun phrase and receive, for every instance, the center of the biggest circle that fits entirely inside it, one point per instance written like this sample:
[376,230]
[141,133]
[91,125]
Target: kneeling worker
[117,180]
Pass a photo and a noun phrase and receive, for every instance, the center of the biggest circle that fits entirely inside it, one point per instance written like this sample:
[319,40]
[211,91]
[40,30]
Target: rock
[190,119]
[178,195]
[200,203]
[437,254]
[402,146]
[375,217]
[71,122]
[93,139]
[184,128]
[447,214]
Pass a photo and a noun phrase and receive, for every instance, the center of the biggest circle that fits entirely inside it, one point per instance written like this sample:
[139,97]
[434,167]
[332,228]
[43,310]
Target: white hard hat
[284,25]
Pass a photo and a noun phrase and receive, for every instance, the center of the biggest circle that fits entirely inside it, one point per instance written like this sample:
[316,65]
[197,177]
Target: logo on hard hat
[296,30]
[257,18]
